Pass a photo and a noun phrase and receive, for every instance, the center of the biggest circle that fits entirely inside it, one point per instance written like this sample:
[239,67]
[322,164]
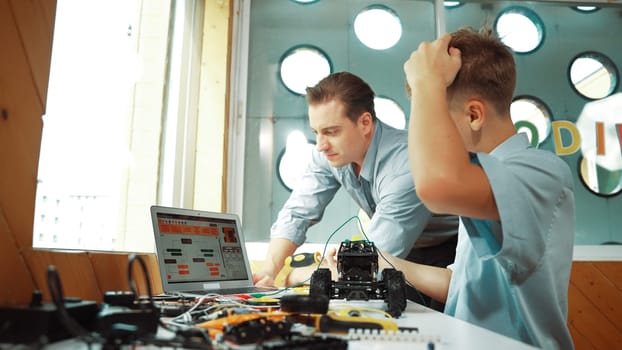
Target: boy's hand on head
[433,62]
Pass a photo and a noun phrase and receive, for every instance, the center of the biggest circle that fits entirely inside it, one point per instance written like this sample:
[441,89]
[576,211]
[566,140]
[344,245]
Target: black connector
[39,322]
[142,321]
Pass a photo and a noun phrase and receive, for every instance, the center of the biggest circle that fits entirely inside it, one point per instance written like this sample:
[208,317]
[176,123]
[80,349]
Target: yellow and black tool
[313,310]
[295,261]
[263,301]
[332,322]
[303,259]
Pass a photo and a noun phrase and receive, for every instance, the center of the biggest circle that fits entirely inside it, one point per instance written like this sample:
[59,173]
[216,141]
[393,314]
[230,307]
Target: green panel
[273,111]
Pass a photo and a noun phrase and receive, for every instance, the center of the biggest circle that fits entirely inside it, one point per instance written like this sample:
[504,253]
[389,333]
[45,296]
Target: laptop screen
[199,248]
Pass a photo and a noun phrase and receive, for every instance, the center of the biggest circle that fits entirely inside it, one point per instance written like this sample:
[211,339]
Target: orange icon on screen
[229,233]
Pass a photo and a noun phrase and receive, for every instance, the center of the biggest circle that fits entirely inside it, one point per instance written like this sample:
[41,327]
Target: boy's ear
[476,111]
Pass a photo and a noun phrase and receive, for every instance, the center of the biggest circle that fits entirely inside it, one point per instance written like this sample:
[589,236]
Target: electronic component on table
[357,268]
[305,342]
[413,338]
[256,330]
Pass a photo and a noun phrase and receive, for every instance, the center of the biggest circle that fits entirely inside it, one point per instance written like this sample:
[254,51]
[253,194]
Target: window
[106,130]
[600,124]
[532,116]
[520,28]
[303,66]
[593,75]
[378,27]
[390,112]
[599,180]
[451,4]
[586,9]
[294,158]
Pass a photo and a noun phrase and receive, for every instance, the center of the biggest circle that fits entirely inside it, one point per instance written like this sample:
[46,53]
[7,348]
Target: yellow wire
[345,311]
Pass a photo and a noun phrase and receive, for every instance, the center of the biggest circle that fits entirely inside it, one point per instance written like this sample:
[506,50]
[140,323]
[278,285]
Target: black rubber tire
[395,295]
[321,283]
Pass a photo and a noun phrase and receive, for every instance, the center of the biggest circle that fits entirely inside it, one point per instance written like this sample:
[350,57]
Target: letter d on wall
[575,137]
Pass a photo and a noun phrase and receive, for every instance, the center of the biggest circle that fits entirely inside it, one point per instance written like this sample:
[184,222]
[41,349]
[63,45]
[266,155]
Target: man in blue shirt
[516,203]
[369,159]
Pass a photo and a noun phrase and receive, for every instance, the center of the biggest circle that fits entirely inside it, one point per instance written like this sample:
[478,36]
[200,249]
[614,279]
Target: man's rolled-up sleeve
[305,206]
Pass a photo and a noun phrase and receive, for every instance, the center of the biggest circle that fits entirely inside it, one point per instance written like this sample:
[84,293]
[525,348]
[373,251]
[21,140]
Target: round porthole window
[600,180]
[294,159]
[531,116]
[586,8]
[389,112]
[378,27]
[593,75]
[451,4]
[520,28]
[303,66]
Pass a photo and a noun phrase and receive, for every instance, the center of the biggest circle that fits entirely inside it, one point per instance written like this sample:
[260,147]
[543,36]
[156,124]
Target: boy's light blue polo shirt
[511,276]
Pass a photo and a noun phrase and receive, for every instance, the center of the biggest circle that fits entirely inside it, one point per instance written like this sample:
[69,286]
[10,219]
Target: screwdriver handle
[303,259]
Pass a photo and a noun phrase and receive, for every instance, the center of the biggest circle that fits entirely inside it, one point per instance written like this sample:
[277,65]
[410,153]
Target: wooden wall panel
[18,95]
[20,138]
[602,291]
[594,305]
[20,131]
[17,198]
[49,15]
[612,270]
[74,269]
[111,272]
[15,278]
[33,23]
[154,273]
[581,342]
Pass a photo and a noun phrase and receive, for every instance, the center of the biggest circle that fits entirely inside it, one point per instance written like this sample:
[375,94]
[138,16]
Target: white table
[443,331]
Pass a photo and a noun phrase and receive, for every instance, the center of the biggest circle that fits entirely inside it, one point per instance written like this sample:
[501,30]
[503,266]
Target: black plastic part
[320,283]
[40,323]
[255,331]
[357,261]
[312,342]
[395,287]
[119,298]
[112,319]
[305,304]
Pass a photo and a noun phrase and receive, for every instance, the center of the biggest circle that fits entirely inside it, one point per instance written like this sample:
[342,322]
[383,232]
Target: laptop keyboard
[241,290]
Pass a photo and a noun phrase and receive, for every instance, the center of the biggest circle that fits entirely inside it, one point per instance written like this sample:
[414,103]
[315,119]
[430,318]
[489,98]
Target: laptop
[201,252]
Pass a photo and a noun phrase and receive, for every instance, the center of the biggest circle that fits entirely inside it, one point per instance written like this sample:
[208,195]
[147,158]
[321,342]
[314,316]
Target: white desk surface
[446,332]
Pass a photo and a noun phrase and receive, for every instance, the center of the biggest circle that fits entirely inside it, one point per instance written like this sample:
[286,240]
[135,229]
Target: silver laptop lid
[199,250]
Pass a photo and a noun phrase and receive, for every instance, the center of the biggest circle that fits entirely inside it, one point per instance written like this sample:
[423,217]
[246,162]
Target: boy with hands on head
[516,203]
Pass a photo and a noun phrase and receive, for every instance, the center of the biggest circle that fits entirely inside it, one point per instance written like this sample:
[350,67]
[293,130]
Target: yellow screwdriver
[303,259]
